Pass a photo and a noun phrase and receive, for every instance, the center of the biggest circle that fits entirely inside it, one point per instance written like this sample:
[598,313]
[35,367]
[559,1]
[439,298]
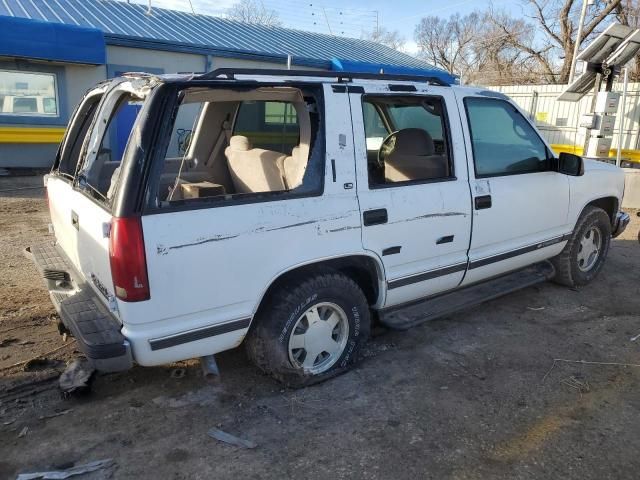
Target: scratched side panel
[213,265]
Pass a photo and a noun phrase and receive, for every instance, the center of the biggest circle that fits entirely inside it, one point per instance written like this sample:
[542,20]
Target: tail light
[128,260]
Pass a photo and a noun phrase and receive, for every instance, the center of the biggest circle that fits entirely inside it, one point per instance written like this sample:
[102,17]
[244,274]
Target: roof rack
[343,77]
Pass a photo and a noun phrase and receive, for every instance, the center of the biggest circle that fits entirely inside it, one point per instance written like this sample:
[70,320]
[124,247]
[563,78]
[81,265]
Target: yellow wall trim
[31,134]
[630,155]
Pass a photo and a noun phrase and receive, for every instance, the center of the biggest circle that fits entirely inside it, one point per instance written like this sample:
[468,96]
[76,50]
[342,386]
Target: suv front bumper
[95,329]
[620,223]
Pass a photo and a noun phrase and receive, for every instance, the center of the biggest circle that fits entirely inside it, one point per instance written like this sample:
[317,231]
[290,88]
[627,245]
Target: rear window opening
[100,174]
[242,144]
[69,157]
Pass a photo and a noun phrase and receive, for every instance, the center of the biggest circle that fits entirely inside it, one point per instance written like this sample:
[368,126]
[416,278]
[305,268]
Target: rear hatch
[84,182]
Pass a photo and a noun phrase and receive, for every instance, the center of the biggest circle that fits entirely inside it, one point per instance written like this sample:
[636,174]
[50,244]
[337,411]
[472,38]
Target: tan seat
[254,169]
[294,168]
[410,155]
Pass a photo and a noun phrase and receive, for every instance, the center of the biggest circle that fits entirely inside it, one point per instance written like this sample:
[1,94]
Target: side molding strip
[421,277]
[199,334]
[520,251]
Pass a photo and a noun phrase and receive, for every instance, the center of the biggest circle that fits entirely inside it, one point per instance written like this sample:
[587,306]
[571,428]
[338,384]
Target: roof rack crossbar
[343,77]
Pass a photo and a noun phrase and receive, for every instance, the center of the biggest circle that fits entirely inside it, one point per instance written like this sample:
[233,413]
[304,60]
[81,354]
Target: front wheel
[310,330]
[584,254]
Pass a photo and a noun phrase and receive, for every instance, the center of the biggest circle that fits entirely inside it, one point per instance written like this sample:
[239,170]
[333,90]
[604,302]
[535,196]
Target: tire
[288,319]
[573,268]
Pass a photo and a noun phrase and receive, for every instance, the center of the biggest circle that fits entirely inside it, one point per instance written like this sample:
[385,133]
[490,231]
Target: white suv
[300,203]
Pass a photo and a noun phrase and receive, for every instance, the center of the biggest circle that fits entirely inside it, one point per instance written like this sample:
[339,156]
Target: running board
[407,316]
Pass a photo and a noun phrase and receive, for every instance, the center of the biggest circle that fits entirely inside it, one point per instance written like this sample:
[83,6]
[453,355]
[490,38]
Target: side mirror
[570,164]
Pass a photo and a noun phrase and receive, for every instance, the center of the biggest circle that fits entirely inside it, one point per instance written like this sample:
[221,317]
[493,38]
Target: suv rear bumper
[620,223]
[96,330]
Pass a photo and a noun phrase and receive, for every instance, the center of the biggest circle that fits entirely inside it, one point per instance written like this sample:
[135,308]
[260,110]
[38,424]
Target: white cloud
[205,7]
[411,47]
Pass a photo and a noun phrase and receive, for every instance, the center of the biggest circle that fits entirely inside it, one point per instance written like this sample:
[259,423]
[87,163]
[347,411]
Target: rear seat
[254,169]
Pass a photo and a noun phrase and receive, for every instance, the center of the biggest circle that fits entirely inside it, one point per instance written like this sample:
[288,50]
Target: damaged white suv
[281,208]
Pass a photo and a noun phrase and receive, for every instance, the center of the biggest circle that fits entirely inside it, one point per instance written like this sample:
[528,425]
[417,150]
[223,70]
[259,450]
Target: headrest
[413,141]
[240,142]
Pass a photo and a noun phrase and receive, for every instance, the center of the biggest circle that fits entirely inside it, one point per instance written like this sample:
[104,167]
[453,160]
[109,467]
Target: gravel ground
[476,395]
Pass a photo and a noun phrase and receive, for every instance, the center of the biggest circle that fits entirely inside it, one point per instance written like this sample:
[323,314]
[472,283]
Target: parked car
[303,203]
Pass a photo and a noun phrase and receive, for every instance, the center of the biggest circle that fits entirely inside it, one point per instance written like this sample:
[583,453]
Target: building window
[28,94]
[280,113]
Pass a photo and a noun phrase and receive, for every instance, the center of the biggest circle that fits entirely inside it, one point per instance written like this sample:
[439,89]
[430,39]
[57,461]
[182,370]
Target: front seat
[410,154]
[254,169]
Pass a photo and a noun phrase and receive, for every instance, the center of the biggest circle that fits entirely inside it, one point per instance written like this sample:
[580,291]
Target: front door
[412,188]
[520,201]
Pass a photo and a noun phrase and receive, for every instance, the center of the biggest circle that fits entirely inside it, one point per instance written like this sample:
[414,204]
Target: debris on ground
[39,357]
[40,364]
[77,377]
[231,439]
[69,472]
[57,414]
[178,372]
[23,432]
[7,341]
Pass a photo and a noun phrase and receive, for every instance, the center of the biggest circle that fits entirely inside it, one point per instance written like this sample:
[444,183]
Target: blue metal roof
[129,25]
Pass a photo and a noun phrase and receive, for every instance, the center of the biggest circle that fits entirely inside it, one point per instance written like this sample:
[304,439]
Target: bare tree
[474,48]
[448,43]
[628,13]
[557,21]
[381,35]
[254,12]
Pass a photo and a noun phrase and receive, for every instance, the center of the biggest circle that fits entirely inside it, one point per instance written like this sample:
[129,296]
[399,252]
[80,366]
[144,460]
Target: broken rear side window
[242,144]
[100,174]
[69,156]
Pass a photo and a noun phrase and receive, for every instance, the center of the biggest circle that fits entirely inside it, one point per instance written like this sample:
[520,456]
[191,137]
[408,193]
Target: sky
[350,17]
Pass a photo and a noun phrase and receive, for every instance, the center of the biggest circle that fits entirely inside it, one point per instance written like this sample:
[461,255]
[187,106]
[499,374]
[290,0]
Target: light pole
[576,49]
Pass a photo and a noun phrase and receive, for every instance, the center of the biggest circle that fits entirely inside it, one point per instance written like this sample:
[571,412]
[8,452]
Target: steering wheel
[384,146]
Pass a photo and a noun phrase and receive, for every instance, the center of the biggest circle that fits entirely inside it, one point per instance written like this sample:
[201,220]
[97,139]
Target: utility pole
[327,20]
[377,23]
[576,49]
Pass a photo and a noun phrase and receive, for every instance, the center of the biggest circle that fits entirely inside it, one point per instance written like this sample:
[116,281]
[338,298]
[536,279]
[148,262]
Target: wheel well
[361,269]
[608,204]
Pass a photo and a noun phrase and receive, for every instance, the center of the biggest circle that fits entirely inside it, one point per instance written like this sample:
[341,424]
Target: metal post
[576,49]
[622,116]
[289,62]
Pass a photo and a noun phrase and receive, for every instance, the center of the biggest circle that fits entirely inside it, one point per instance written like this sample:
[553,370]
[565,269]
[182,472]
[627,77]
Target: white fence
[558,121]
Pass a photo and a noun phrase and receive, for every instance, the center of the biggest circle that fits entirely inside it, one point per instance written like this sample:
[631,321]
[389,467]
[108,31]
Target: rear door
[412,187]
[60,183]
[81,205]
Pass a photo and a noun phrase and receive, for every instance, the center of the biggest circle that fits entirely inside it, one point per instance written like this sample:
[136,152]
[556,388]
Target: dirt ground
[476,395]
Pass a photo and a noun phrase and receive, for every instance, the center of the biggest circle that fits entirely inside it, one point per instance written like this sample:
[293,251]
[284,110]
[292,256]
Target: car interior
[239,142]
[405,139]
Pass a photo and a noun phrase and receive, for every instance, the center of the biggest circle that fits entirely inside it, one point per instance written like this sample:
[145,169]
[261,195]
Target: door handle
[375,217]
[482,202]
[447,239]
[75,221]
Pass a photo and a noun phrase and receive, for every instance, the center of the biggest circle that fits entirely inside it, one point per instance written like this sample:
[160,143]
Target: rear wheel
[584,254]
[310,330]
